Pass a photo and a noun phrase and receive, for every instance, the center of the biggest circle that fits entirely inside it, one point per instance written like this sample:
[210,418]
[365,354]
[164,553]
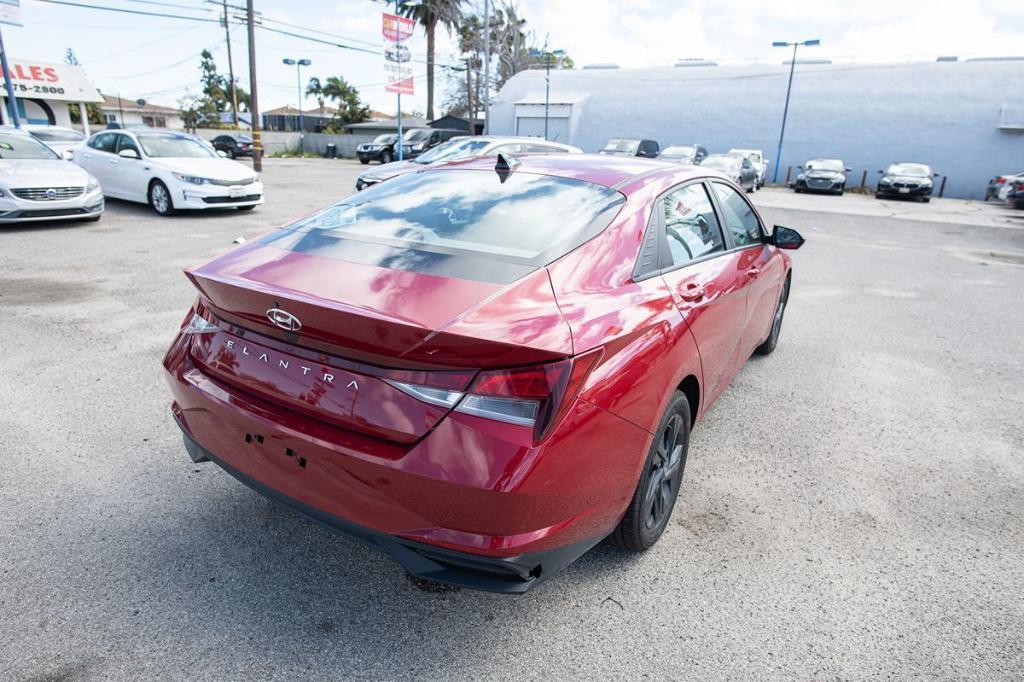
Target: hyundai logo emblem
[51,194]
[284,319]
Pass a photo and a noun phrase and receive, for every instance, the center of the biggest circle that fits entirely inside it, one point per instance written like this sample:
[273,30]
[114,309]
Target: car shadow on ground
[240,559]
[146,211]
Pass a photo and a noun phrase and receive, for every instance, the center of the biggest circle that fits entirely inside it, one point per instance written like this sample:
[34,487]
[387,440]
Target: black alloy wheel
[658,488]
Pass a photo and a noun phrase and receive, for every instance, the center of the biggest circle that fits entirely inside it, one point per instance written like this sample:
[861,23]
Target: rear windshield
[459,223]
[57,135]
[616,145]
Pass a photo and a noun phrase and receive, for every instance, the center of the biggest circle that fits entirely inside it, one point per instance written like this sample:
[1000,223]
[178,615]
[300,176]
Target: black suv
[419,140]
[233,145]
[381,149]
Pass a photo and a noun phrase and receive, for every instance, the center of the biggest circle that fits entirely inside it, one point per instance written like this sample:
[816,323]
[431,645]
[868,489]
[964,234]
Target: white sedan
[168,170]
[37,184]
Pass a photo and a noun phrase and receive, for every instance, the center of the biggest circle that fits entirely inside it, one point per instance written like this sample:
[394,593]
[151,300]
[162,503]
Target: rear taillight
[1000,180]
[536,396]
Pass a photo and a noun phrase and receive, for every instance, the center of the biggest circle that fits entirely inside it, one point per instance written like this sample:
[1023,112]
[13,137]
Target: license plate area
[236,191]
[904,190]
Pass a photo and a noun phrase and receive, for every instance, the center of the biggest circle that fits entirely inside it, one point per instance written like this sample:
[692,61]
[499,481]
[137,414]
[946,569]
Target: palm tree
[428,14]
[316,89]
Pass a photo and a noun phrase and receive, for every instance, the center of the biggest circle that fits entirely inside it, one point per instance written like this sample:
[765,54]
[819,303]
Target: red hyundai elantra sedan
[482,369]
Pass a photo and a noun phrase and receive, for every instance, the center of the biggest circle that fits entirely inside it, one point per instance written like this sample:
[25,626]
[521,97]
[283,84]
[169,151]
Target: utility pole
[470,108]
[231,68]
[254,107]
[12,104]
[487,68]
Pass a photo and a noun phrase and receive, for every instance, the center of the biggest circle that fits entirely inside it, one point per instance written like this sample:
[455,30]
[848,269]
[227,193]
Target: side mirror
[849,170]
[128,154]
[67,155]
[221,153]
[786,238]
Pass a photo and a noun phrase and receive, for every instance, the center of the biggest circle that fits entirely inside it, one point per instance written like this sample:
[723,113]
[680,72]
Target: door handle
[754,272]
[693,292]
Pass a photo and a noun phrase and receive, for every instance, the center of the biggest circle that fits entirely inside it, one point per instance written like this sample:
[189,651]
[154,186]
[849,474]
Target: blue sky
[157,58]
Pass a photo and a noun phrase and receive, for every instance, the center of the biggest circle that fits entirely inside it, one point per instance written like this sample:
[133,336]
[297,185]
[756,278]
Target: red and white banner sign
[397,57]
[396,28]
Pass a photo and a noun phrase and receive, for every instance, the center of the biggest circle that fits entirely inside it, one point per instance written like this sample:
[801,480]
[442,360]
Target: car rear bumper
[491,512]
[493,574]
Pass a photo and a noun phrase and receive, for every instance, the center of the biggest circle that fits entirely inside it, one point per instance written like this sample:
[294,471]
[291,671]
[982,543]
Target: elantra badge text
[284,319]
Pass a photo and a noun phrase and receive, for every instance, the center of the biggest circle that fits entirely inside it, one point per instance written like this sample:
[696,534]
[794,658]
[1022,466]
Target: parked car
[483,370]
[756,157]
[1014,193]
[38,184]
[631,147]
[382,149]
[419,140]
[168,170]
[999,186]
[690,154]
[906,180]
[737,168]
[233,145]
[462,148]
[59,139]
[821,175]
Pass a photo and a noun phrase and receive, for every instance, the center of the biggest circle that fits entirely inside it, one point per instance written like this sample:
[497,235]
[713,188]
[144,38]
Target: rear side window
[104,142]
[738,215]
[691,228]
[439,221]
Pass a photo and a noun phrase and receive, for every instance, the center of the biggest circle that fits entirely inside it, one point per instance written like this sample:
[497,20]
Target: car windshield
[385,139]
[174,146]
[678,152]
[57,135]
[727,163]
[428,221]
[24,147]
[909,169]
[416,135]
[453,151]
[825,165]
[621,146]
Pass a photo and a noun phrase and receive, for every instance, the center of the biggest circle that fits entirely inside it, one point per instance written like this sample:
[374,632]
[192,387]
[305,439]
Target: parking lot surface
[853,506]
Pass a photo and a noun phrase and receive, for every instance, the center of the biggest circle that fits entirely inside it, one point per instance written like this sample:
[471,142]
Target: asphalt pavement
[853,506]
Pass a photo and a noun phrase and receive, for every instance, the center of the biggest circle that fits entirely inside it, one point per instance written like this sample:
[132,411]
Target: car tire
[246,208]
[231,153]
[926,199]
[772,341]
[385,157]
[160,198]
[365,162]
[656,492]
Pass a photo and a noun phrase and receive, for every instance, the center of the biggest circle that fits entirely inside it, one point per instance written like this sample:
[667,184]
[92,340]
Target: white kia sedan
[169,171]
[37,184]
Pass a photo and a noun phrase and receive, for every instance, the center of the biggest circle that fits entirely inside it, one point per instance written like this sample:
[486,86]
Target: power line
[125,10]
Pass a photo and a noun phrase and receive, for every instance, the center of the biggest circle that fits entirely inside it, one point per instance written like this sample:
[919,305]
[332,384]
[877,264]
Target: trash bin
[332,151]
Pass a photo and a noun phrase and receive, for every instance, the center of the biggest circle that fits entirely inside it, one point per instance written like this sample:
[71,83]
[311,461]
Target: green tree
[349,108]
[428,14]
[316,89]
[216,97]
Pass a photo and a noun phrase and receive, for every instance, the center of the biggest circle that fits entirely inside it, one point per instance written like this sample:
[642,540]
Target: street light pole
[789,88]
[299,63]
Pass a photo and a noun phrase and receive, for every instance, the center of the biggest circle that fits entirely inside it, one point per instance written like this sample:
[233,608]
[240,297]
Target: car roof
[599,169]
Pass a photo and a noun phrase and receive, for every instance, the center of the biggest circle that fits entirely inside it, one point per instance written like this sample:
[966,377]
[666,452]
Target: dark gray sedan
[822,175]
[739,169]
